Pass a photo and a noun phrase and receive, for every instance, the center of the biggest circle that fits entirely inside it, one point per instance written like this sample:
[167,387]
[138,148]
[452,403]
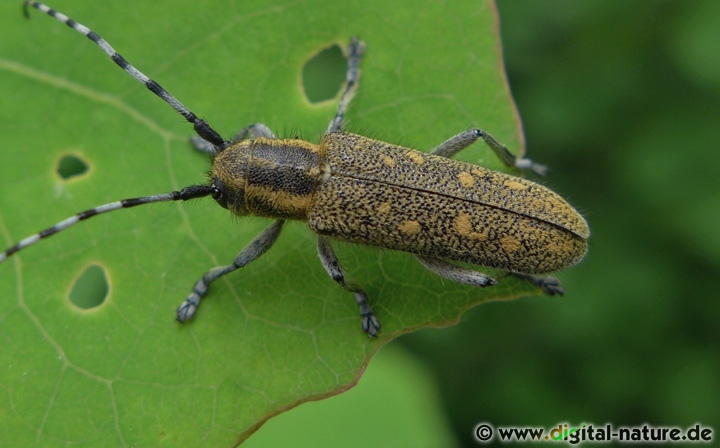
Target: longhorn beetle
[352,188]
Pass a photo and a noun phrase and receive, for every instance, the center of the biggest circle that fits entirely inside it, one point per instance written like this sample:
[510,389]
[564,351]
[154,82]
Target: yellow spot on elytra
[510,243]
[384,208]
[409,227]
[466,179]
[515,185]
[464,228]
[557,247]
[415,157]
[389,161]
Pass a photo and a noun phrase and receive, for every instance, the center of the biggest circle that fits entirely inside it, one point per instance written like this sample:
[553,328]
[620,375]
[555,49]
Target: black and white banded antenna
[202,128]
[192,192]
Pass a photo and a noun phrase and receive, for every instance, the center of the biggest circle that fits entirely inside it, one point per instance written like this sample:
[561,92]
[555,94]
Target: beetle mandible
[352,188]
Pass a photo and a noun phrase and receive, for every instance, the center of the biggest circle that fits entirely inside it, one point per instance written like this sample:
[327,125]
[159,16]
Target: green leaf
[395,404]
[279,332]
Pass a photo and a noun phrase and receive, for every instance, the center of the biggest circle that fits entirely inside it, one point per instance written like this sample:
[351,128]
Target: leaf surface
[279,332]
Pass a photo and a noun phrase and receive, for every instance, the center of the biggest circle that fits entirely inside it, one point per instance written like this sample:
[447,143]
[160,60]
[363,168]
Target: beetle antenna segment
[355,50]
[195,191]
[203,129]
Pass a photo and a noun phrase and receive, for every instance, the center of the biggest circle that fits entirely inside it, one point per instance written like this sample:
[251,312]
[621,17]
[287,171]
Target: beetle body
[355,189]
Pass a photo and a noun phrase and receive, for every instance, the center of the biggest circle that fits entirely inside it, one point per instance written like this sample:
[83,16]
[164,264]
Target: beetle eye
[219,192]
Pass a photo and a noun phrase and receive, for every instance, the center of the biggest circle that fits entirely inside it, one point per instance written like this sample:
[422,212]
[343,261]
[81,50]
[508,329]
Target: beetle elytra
[352,188]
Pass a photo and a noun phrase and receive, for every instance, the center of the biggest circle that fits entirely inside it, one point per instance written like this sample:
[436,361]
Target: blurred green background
[622,100]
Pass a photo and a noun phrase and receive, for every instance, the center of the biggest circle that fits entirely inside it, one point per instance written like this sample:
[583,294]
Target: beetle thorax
[268,177]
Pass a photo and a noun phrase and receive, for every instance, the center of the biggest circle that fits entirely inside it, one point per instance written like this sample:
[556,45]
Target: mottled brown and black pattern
[393,197]
[356,156]
[365,191]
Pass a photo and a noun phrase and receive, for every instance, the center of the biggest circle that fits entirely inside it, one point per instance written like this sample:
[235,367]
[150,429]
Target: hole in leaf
[324,74]
[71,165]
[90,289]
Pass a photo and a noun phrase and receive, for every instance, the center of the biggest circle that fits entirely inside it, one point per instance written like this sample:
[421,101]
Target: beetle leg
[457,143]
[252,251]
[455,273]
[202,145]
[550,285]
[330,262]
[354,50]
[254,130]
